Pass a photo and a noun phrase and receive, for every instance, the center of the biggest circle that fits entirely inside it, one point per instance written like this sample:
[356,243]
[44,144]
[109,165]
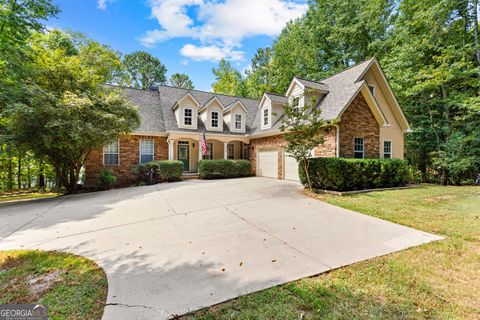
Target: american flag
[204,144]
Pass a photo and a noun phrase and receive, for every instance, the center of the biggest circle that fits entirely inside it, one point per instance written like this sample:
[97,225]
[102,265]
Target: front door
[183,155]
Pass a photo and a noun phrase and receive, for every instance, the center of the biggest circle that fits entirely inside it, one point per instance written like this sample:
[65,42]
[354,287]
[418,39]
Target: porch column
[171,144]
[225,150]
[200,157]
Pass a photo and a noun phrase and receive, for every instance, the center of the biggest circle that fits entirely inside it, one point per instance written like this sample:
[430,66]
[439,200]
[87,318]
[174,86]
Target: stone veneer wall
[328,148]
[129,158]
[359,121]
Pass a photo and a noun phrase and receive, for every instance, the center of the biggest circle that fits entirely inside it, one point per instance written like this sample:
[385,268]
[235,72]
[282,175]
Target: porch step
[188,175]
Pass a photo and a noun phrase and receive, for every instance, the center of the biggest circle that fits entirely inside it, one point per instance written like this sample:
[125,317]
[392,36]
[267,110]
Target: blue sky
[188,36]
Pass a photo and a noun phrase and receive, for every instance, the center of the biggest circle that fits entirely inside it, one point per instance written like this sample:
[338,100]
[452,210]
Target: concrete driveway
[173,248]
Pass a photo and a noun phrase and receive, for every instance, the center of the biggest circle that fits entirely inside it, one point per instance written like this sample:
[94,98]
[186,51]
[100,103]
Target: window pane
[387,149]
[265,117]
[188,117]
[238,121]
[146,151]
[358,148]
[111,159]
[146,158]
[112,147]
[214,119]
[147,146]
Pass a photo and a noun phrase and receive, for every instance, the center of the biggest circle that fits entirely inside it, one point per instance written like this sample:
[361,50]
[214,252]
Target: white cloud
[219,26]
[102,4]
[210,53]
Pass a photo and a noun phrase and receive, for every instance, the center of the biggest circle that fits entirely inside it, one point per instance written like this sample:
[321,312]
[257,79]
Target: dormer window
[265,117]
[238,121]
[296,104]
[214,119]
[187,118]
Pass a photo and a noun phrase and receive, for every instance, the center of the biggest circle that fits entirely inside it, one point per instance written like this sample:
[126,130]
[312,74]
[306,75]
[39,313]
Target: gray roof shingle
[157,116]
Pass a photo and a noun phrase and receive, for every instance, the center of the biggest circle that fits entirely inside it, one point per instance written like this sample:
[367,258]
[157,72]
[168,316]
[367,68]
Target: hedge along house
[368,123]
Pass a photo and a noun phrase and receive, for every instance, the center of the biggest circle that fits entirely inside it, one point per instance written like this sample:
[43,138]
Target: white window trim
[184,117]
[218,119]
[391,148]
[140,149]
[363,149]
[235,121]
[269,124]
[298,98]
[103,155]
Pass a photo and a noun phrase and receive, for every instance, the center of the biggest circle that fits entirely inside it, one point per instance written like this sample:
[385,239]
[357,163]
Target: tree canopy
[66,111]
[143,70]
[181,80]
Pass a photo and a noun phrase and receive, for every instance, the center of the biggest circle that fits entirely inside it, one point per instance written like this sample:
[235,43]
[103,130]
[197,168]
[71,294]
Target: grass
[26,195]
[73,287]
[440,280]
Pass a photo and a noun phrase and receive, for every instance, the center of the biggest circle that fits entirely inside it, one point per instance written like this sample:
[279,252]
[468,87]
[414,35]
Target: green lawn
[440,280]
[73,287]
[26,195]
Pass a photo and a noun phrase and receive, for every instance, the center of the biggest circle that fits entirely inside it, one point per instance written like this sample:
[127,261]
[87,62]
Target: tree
[302,129]
[258,80]
[228,80]
[18,20]
[66,111]
[181,80]
[144,71]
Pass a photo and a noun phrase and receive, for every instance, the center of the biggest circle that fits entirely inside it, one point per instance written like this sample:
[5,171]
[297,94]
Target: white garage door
[268,163]
[291,169]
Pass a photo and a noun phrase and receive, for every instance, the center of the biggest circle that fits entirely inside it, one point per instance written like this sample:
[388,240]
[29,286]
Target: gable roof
[187,95]
[169,95]
[233,104]
[276,98]
[214,98]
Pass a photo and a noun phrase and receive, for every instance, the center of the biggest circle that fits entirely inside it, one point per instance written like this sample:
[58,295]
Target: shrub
[106,179]
[159,170]
[220,169]
[170,170]
[342,174]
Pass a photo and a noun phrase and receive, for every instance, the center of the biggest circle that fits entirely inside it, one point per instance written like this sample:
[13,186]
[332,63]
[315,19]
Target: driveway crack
[123,305]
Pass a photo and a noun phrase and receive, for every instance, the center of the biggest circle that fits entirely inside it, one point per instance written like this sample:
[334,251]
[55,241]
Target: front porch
[187,148]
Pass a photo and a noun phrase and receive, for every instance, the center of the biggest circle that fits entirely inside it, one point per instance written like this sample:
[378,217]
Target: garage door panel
[291,169]
[268,163]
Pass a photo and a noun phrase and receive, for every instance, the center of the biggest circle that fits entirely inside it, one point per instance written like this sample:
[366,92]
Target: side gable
[374,70]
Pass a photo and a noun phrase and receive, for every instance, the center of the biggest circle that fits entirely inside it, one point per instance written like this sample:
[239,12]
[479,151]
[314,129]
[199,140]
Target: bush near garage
[159,171]
[342,174]
[221,169]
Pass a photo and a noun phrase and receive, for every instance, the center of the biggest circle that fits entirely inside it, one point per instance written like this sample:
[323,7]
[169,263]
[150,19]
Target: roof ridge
[276,94]
[132,88]
[348,68]
[203,91]
[301,78]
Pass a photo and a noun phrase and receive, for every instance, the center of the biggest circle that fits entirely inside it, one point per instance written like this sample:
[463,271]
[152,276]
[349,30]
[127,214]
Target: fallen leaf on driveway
[223,269]
[274,260]
[241,264]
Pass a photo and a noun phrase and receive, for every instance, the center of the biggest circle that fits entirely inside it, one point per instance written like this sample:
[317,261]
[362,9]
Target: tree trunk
[41,176]
[29,176]
[10,169]
[19,172]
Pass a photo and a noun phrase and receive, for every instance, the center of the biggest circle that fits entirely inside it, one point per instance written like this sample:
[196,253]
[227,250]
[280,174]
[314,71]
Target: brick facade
[358,121]
[129,158]
[273,142]
[328,148]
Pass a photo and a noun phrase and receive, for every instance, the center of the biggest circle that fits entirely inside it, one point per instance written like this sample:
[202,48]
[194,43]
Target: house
[369,124]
